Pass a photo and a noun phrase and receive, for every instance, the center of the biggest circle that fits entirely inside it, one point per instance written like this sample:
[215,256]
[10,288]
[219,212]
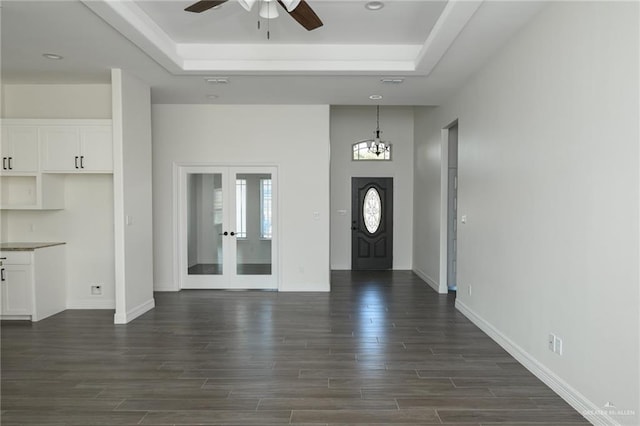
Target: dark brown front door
[371,223]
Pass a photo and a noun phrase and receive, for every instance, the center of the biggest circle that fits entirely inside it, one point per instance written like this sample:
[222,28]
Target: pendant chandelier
[376,145]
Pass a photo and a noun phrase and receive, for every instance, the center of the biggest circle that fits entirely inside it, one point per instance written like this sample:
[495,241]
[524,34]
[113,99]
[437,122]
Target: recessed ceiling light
[375,97]
[392,80]
[52,56]
[217,80]
[374,5]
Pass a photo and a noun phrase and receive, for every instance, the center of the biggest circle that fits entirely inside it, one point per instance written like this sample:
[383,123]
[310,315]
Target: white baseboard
[165,287]
[426,278]
[16,317]
[91,304]
[579,402]
[124,318]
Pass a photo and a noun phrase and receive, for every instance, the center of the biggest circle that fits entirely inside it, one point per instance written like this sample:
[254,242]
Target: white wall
[294,138]
[350,124]
[57,101]
[132,196]
[548,177]
[427,203]
[86,223]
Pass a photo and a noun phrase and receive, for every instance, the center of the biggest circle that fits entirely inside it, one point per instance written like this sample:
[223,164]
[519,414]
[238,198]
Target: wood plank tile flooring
[381,348]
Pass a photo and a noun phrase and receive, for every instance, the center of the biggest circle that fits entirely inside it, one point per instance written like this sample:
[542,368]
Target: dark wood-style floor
[381,348]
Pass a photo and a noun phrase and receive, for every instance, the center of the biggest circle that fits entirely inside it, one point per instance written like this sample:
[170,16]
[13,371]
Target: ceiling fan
[298,9]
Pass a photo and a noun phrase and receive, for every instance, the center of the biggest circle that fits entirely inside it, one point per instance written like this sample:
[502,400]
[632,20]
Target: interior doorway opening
[228,227]
[452,207]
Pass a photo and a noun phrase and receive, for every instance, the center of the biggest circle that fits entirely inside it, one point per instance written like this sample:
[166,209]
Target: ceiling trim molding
[133,23]
[298,57]
[186,58]
[454,17]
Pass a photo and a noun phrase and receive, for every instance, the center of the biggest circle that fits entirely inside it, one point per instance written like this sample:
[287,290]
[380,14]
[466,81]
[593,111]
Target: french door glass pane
[253,243]
[204,223]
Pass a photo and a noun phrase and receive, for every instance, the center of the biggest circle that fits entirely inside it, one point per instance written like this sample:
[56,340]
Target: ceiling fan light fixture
[268,9]
[290,5]
[247,4]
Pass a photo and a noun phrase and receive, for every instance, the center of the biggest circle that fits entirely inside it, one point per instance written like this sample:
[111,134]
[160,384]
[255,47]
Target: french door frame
[229,279]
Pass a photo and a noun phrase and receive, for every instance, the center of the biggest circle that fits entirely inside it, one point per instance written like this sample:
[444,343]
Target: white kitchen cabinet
[32,281]
[60,148]
[16,282]
[96,147]
[19,149]
[37,153]
[76,149]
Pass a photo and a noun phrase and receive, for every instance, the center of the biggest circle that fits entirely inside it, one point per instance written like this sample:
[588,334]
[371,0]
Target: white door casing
[230,276]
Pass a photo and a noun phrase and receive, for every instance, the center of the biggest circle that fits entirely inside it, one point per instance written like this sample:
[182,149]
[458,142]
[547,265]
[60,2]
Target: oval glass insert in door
[372,210]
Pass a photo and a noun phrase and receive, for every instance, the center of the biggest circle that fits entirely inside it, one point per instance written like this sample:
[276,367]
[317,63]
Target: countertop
[27,246]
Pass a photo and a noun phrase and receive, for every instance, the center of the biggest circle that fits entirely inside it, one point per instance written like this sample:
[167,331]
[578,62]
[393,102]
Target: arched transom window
[370,151]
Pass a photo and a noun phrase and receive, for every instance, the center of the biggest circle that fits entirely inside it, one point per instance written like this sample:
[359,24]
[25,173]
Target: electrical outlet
[96,290]
[551,341]
[558,346]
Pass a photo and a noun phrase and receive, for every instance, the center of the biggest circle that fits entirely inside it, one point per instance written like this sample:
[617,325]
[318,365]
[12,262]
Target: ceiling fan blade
[202,5]
[304,15]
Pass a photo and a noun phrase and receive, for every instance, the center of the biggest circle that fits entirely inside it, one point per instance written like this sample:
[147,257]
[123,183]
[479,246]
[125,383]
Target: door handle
[10,166]
[4,163]
[82,161]
[233,233]
[77,162]
[225,233]
[2,278]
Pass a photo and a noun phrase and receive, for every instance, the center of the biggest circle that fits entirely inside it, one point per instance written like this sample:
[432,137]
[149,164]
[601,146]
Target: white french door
[228,227]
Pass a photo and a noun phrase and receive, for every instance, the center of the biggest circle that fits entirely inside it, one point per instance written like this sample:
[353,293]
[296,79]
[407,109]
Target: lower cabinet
[17,289]
[32,283]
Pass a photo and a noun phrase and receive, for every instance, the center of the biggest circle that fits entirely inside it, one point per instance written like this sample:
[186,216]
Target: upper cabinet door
[60,149]
[19,149]
[96,149]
